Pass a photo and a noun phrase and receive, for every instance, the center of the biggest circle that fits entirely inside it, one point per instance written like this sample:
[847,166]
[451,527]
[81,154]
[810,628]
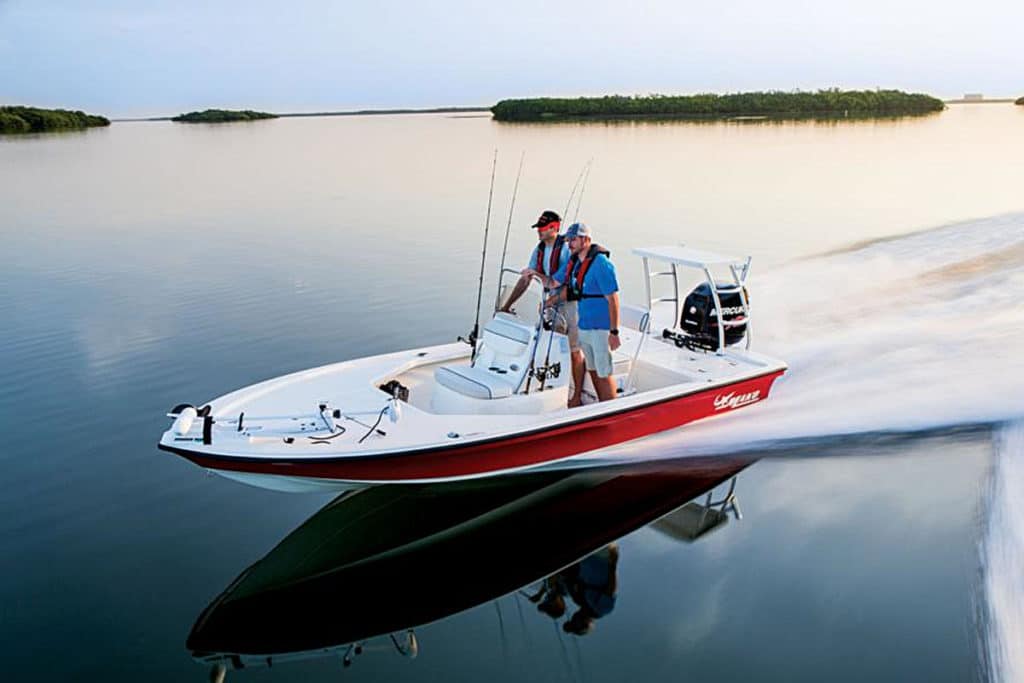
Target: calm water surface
[153,263]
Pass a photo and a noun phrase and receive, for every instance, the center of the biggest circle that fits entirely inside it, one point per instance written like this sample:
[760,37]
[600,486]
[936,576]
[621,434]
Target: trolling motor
[185,414]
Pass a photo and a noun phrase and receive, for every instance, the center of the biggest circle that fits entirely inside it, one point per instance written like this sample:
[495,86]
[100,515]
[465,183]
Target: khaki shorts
[568,323]
[596,351]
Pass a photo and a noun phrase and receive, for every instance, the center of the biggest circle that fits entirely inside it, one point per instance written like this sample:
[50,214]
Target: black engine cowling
[699,319]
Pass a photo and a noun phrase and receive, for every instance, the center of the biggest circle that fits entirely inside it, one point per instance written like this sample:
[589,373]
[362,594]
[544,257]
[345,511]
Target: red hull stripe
[523,450]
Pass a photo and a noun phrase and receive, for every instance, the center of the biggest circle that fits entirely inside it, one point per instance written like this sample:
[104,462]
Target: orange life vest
[556,253]
[577,271]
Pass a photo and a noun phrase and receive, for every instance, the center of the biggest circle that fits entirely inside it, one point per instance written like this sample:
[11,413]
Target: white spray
[1002,559]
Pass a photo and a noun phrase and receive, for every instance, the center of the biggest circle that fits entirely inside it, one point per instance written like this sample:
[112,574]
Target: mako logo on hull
[734,400]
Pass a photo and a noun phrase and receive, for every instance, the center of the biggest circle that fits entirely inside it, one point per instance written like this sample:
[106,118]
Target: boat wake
[1002,560]
[908,334]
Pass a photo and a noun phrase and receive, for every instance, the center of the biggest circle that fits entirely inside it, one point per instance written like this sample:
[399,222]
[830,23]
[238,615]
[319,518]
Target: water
[153,263]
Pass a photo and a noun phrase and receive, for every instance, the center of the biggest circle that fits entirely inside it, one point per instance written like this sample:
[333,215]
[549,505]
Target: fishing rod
[508,228]
[483,261]
[572,194]
[557,369]
[583,188]
[538,330]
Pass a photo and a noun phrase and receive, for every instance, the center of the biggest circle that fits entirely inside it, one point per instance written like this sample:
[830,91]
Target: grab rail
[645,327]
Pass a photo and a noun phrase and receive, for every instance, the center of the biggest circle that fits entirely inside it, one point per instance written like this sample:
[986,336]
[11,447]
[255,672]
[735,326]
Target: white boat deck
[288,405]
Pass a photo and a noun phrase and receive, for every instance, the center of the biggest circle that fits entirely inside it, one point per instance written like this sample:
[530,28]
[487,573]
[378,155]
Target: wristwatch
[615,332]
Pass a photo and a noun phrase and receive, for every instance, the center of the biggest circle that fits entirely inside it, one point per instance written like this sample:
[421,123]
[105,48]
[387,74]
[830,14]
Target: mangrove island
[35,120]
[773,104]
[222,116]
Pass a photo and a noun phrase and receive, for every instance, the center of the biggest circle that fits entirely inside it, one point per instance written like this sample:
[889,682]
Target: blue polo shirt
[600,279]
[563,258]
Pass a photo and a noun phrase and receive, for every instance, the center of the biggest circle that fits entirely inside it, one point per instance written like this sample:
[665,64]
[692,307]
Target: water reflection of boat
[386,559]
[695,520]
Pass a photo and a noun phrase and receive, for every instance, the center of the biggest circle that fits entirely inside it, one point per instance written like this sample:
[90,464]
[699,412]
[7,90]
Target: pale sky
[151,57]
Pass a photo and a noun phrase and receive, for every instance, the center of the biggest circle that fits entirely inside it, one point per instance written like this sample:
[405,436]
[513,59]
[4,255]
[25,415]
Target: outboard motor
[699,320]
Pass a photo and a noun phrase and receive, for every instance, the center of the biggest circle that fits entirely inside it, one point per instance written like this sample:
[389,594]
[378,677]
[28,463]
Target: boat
[387,560]
[456,411]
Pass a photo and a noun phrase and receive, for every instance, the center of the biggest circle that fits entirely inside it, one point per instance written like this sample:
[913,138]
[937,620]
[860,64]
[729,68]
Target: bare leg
[605,386]
[579,367]
[517,291]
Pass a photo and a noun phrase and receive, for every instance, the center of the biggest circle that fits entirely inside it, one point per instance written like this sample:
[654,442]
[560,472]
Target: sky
[138,58]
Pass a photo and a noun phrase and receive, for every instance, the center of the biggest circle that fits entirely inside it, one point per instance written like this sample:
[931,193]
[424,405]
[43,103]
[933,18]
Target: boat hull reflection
[389,558]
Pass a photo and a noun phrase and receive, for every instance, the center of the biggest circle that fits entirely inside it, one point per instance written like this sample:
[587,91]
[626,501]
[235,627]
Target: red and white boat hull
[544,446]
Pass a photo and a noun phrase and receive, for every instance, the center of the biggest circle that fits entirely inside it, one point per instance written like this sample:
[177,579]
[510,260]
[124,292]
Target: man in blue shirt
[590,279]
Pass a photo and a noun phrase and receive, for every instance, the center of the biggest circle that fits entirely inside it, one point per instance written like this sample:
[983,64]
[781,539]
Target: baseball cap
[577,230]
[546,218]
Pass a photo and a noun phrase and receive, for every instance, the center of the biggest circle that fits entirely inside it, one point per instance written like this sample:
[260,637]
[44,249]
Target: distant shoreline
[488,110]
[357,112]
[772,104]
[18,120]
[223,116]
[995,100]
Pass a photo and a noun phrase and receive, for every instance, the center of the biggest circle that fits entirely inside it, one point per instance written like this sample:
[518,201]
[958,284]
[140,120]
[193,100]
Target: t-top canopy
[685,256]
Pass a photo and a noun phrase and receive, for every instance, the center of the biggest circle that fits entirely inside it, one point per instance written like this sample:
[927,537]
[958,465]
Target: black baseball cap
[545,218]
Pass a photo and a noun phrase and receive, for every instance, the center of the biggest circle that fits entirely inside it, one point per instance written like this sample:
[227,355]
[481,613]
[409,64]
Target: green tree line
[35,120]
[222,116]
[831,102]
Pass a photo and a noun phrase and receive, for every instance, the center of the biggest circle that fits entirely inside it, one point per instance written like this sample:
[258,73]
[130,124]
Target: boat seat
[475,382]
[501,361]
[507,337]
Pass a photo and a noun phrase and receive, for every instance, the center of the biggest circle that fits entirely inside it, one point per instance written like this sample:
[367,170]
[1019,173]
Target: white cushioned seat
[475,382]
[507,337]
